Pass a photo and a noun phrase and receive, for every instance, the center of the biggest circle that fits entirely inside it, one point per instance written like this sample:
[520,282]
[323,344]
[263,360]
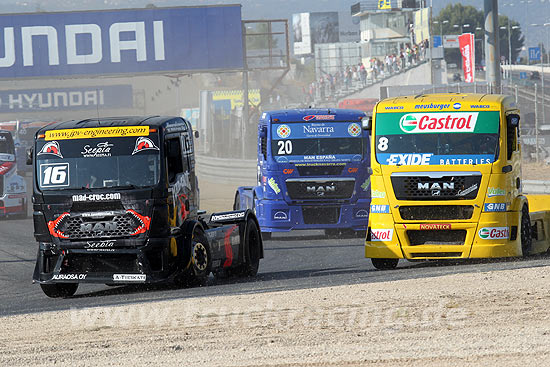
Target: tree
[257,37]
[517,39]
[461,15]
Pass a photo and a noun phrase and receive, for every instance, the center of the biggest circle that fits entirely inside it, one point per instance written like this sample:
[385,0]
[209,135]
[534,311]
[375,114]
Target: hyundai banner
[467,50]
[79,98]
[121,41]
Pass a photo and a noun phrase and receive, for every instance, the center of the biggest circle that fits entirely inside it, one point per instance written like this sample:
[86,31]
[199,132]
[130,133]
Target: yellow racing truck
[446,181]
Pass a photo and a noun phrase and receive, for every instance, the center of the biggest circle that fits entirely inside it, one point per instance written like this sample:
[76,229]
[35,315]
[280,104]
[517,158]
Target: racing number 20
[285,147]
[55,174]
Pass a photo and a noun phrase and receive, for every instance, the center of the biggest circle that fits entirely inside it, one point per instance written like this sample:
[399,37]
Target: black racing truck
[116,201]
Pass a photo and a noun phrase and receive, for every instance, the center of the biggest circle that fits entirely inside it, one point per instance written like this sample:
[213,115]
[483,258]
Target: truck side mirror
[366,123]
[196,134]
[513,120]
[263,132]
[29,156]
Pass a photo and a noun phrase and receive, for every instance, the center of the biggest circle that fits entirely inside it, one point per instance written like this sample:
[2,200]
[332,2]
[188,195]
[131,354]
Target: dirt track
[487,318]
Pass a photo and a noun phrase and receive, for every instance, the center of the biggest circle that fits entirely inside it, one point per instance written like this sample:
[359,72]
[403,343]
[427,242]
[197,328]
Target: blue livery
[312,171]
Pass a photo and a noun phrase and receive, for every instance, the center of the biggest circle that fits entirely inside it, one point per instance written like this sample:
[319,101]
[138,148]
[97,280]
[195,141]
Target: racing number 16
[285,147]
[55,175]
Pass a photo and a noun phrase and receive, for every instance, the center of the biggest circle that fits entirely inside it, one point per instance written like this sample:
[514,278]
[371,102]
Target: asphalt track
[292,261]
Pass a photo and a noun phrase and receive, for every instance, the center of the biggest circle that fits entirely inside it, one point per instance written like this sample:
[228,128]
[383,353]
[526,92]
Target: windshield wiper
[123,187]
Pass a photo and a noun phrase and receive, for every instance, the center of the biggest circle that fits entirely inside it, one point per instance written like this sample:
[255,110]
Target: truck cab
[116,201]
[13,188]
[312,172]
[446,181]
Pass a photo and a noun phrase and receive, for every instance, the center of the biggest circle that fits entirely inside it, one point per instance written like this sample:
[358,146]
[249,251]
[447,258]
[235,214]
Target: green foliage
[461,15]
[257,37]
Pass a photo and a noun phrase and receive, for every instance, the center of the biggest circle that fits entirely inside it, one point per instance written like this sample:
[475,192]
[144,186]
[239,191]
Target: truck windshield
[7,149]
[437,138]
[317,141]
[98,163]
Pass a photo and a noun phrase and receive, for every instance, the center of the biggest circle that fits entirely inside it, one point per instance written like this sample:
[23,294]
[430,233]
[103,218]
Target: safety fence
[227,170]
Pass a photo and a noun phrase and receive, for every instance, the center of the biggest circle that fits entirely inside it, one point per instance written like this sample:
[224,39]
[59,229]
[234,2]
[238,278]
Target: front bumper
[151,262]
[386,239]
[278,216]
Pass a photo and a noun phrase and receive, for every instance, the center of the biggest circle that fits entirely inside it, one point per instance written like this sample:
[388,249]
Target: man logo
[321,190]
[436,186]
[51,148]
[408,123]
[144,144]
[99,227]
[280,215]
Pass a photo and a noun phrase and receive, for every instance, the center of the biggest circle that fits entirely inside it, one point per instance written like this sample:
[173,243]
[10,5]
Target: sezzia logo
[494,233]
[453,122]
[381,234]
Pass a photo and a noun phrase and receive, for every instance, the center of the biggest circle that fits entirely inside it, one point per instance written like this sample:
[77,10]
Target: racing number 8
[285,147]
[55,175]
[383,144]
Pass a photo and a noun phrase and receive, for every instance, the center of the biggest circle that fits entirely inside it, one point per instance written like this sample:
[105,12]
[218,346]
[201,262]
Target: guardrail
[226,170]
[536,187]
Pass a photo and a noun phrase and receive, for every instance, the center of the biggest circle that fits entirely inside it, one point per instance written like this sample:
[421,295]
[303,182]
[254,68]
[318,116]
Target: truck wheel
[385,264]
[237,202]
[525,235]
[252,251]
[201,261]
[59,289]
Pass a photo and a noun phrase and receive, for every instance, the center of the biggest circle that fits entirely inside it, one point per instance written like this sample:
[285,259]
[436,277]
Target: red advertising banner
[467,50]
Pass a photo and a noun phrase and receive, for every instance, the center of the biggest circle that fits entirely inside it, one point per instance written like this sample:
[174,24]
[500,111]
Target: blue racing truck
[312,172]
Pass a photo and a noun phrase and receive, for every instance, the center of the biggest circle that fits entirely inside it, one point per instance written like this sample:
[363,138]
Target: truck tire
[201,261]
[385,264]
[252,251]
[59,289]
[526,235]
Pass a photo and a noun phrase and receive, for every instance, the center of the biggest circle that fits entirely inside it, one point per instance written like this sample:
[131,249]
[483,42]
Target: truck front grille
[337,188]
[122,225]
[436,187]
[321,214]
[436,212]
[436,237]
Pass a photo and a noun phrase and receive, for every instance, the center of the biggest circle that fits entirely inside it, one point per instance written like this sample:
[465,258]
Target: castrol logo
[451,122]
[381,234]
[494,233]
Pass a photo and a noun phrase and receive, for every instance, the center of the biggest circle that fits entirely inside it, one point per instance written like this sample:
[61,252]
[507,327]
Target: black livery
[116,201]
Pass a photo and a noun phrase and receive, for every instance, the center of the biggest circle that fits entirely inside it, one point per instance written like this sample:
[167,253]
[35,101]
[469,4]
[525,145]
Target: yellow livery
[446,181]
